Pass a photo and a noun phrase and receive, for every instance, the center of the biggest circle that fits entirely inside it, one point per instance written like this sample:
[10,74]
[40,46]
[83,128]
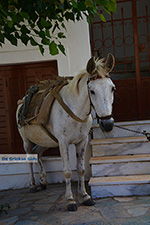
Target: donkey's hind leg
[28,149]
[39,150]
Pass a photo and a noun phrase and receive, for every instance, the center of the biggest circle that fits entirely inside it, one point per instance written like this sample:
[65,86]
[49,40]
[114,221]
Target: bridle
[95,77]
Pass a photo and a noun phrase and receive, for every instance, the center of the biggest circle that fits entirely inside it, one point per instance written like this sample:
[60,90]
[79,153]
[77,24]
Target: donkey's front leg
[81,149]
[72,206]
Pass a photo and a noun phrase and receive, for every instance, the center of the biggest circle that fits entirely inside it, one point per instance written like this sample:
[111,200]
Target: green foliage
[42,22]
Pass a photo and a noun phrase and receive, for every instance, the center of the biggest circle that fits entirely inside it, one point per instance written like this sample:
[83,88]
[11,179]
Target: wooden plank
[135,179]
[115,140]
[122,158]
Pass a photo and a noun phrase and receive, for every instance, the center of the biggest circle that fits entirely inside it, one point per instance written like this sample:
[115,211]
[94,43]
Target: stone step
[120,165]
[120,186]
[120,146]
[117,132]
[119,159]
[117,140]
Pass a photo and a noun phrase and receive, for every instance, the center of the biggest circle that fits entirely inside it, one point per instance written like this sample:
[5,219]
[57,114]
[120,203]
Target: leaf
[24,38]
[69,16]
[12,39]
[24,30]
[42,34]
[102,17]
[1,38]
[53,48]
[89,3]
[45,41]
[55,26]
[47,33]
[61,35]
[33,42]
[25,15]
[63,26]
[45,24]
[41,49]
[10,23]
[17,35]
[109,5]
[81,5]
[36,31]
[62,49]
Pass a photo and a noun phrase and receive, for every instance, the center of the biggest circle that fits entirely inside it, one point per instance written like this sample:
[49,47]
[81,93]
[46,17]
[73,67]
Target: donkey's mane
[98,73]
[74,83]
[100,69]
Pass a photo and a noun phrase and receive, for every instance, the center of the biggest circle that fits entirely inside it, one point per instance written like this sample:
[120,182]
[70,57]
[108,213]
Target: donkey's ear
[109,63]
[91,65]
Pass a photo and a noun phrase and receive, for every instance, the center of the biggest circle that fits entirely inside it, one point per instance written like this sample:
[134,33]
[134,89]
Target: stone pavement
[49,207]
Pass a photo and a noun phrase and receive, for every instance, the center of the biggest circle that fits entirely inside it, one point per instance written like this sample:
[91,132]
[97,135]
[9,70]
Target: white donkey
[93,88]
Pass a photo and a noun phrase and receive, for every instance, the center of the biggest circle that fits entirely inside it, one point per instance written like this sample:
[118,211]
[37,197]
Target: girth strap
[48,133]
[66,108]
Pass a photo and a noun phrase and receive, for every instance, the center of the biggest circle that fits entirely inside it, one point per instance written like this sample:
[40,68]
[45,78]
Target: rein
[144,132]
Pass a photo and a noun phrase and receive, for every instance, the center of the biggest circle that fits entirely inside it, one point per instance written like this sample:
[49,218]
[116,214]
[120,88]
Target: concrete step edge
[120,180]
[118,140]
[119,159]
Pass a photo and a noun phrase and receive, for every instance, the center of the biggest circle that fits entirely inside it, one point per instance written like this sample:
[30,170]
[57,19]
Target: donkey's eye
[92,92]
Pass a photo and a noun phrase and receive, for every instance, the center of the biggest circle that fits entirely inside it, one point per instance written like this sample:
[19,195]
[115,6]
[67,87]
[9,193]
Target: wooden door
[14,81]
[126,34]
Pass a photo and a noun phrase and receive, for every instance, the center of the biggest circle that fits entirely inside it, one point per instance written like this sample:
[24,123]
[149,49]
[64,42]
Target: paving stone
[113,212]
[31,198]
[94,222]
[138,211]
[106,202]
[19,211]
[26,204]
[49,219]
[49,199]
[136,206]
[124,199]
[9,221]
[27,222]
[42,208]
[132,221]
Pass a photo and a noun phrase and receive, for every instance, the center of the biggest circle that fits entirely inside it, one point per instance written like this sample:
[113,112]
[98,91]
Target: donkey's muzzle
[107,123]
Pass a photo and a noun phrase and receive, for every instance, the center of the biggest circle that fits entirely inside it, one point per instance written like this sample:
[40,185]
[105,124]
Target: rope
[144,132]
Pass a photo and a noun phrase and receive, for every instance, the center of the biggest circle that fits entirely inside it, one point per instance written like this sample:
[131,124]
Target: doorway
[15,79]
[126,34]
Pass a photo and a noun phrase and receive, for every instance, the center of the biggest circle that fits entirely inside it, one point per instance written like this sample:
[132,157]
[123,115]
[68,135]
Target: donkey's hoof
[72,207]
[89,202]
[34,189]
[43,186]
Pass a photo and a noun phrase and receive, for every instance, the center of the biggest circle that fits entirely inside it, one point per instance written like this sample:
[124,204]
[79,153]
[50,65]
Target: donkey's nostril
[107,124]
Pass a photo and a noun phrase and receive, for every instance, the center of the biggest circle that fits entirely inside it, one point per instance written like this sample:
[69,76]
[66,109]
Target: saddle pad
[36,106]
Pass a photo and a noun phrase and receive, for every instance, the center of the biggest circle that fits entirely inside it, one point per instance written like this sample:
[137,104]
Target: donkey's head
[101,89]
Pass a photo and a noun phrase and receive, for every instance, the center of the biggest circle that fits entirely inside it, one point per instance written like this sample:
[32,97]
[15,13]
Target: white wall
[77,48]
